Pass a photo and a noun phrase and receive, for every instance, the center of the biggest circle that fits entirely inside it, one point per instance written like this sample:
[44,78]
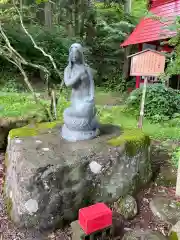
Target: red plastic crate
[95,217]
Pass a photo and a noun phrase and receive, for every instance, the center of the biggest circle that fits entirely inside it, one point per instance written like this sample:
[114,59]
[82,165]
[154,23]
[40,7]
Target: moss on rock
[8,205]
[32,130]
[6,159]
[173,236]
[127,207]
[4,176]
[134,139]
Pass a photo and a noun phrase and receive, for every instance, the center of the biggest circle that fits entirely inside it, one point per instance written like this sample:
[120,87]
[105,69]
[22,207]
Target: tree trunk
[48,14]
[76,17]
[127,6]
[126,65]
[83,16]
[127,9]
[178,84]
[40,13]
[90,28]
[69,25]
[21,6]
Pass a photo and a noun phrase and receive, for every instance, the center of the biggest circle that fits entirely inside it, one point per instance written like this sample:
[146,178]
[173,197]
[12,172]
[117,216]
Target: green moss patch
[173,236]
[8,205]
[32,130]
[133,139]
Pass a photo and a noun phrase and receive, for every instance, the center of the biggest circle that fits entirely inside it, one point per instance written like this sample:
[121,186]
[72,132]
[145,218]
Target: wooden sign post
[146,63]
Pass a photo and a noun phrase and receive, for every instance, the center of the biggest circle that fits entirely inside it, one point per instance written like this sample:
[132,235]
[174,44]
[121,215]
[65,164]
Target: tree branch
[35,45]
[15,58]
[13,51]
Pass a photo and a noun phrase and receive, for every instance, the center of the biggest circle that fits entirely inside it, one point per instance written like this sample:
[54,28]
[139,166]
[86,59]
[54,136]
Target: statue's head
[76,53]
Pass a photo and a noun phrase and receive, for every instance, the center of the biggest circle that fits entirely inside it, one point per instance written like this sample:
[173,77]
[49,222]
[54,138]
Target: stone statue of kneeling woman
[80,118]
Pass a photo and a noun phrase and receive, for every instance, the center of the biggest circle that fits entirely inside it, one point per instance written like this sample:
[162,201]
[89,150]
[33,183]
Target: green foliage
[176,156]
[116,115]
[139,8]
[54,42]
[29,131]
[16,104]
[161,102]
[100,30]
[22,105]
[105,54]
[8,14]
[116,83]
[173,59]
[134,140]
[11,85]
[175,121]
[110,13]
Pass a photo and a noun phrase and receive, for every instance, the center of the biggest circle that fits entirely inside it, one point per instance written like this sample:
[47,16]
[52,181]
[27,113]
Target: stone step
[79,234]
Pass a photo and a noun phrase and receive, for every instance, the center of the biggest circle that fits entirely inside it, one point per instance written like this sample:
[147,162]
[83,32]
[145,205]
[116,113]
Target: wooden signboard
[147,63]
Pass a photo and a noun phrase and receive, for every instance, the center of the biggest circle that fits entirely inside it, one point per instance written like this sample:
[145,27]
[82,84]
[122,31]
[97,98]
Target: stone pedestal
[73,136]
[78,128]
[48,179]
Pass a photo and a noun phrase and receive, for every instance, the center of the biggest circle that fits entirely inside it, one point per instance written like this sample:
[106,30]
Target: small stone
[38,141]
[18,140]
[52,236]
[32,206]
[95,167]
[45,149]
[127,207]
[128,229]
[10,194]
[146,200]
[166,209]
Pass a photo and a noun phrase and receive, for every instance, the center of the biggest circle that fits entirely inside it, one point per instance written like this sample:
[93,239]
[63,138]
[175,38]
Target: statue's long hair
[86,66]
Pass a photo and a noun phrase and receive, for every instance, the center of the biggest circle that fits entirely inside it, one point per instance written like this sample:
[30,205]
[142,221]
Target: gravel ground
[144,220]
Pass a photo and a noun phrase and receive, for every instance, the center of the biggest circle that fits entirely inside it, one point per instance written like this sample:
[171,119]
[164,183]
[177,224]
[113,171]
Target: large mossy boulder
[48,179]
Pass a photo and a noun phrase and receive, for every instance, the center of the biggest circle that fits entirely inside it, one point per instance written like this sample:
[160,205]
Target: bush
[176,156]
[161,103]
[9,84]
[175,121]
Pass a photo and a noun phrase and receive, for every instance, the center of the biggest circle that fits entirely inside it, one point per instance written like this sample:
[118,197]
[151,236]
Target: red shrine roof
[148,29]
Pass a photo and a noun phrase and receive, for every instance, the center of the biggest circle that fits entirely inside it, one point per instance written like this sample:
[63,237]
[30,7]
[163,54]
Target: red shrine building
[149,33]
